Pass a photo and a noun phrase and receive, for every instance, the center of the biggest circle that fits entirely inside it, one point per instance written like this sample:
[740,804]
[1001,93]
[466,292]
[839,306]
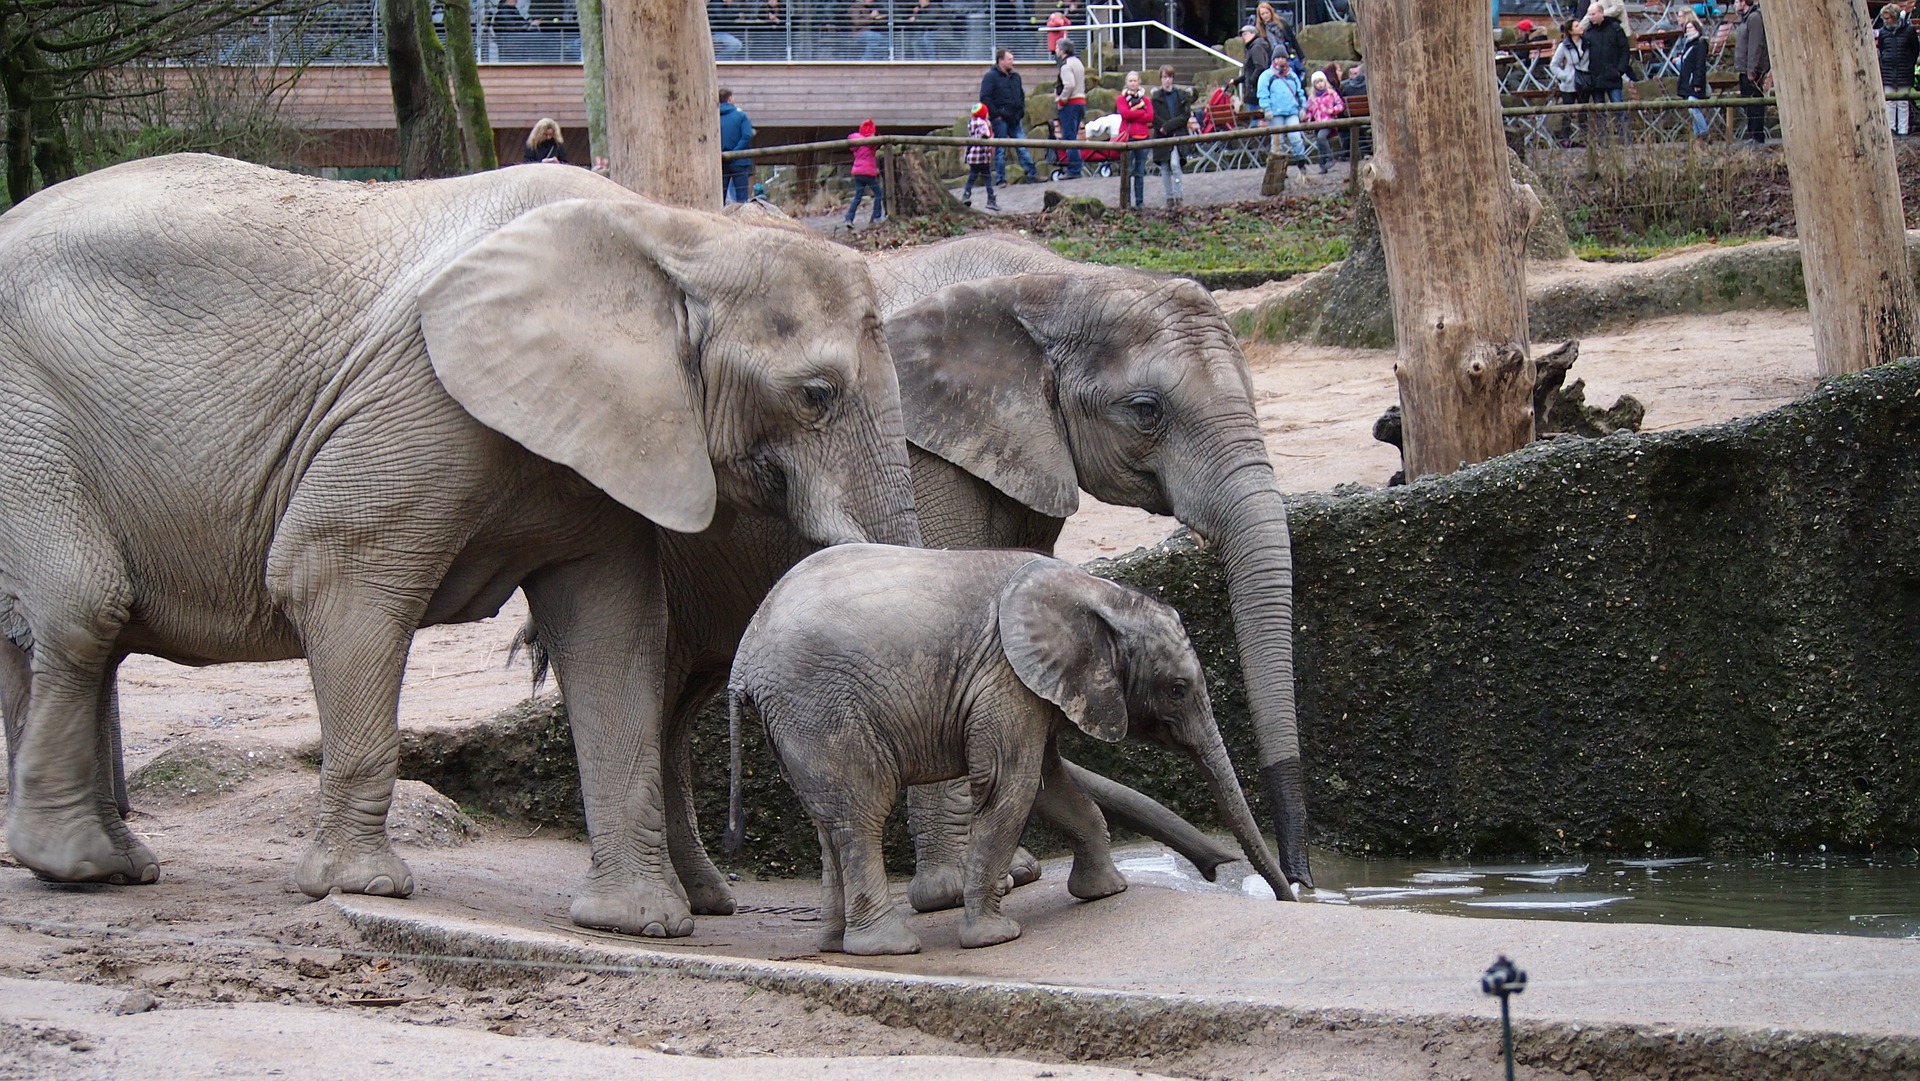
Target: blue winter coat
[736,133]
[1281,96]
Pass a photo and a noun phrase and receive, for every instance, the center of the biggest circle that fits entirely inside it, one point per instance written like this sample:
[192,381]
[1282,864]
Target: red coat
[1136,121]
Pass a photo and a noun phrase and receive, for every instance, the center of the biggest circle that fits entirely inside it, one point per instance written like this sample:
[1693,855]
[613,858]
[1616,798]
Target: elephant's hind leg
[707,891]
[63,821]
[939,816]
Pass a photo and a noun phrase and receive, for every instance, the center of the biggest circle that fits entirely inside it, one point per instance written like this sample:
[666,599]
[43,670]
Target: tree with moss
[66,65]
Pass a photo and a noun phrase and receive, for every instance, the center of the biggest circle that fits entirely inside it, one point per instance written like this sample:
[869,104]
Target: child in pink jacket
[1324,103]
[866,176]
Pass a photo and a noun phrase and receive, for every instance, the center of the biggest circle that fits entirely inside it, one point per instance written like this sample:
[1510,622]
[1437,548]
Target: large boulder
[1329,41]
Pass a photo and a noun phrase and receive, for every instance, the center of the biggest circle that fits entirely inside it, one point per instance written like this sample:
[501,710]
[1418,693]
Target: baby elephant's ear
[1060,644]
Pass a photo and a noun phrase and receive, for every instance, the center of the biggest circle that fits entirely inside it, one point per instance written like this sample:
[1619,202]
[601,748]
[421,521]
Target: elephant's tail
[735,839]
[528,637]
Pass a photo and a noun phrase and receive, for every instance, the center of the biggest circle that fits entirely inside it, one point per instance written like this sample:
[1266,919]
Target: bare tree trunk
[593,57]
[423,113]
[469,97]
[1453,225]
[663,109]
[1846,190]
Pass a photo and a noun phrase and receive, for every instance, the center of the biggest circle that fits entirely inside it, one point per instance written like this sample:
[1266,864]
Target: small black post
[1504,979]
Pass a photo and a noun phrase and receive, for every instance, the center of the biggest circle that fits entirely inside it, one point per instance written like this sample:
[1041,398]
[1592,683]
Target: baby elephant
[876,667]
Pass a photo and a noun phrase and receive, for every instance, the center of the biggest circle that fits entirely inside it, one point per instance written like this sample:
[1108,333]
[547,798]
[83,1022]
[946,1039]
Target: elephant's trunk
[1247,522]
[1211,755]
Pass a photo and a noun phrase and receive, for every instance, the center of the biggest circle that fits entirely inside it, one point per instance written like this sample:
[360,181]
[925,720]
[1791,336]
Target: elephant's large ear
[976,390]
[1056,636]
[563,332]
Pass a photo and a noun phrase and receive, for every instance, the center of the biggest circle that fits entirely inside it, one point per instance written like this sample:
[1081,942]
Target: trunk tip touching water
[1285,783]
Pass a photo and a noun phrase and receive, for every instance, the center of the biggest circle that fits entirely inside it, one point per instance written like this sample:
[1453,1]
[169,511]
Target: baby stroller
[1094,161]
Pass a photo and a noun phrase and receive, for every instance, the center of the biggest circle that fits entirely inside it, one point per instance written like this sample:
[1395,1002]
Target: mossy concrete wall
[1701,640]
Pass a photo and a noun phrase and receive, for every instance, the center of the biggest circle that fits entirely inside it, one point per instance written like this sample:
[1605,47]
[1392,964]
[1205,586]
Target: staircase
[1186,64]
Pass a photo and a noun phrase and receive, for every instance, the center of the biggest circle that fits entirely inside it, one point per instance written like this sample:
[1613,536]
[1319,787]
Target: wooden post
[1453,224]
[662,100]
[889,185]
[1846,191]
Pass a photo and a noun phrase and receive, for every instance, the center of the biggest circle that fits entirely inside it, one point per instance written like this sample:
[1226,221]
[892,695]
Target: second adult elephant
[246,415]
[1026,379]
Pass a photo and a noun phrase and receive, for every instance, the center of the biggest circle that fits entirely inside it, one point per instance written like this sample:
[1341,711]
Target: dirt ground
[226,926]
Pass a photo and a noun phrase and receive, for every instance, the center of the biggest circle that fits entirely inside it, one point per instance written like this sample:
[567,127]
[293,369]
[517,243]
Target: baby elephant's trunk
[1232,803]
[735,840]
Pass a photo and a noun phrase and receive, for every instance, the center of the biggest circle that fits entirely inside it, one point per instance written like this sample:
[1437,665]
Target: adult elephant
[246,415]
[1025,378]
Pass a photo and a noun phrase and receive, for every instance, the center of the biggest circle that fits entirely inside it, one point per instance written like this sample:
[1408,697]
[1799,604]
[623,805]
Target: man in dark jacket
[736,133]
[1006,102]
[1899,47]
[1259,58]
[1609,60]
[1755,67]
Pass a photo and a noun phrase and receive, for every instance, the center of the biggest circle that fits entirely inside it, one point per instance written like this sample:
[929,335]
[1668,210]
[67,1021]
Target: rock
[1329,41]
[202,769]
[1082,207]
[424,818]
[136,1002]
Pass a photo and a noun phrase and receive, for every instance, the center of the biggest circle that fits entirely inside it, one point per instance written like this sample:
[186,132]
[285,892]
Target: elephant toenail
[654,930]
[381,884]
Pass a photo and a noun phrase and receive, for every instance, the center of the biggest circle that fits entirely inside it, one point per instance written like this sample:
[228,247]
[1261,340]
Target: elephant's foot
[988,931]
[1024,869]
[1091,880]
[80,848]
[886,935]
[709,898]
[632,908]
[936,887]
[327,867]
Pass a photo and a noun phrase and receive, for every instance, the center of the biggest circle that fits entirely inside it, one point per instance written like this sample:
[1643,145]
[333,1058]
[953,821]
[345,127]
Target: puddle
[1824,894]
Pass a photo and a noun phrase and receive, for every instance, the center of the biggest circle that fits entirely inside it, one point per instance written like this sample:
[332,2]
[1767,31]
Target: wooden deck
[349,110]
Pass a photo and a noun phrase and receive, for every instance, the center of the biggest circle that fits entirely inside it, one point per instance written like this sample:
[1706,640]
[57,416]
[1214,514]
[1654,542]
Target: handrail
[1153,24]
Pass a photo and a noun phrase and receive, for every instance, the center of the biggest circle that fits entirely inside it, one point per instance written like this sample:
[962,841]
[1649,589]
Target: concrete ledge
[1076,1023]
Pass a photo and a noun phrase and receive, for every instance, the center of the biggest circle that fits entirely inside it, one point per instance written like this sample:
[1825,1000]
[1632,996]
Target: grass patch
[1228,240]
[1651,246]
[1221,246]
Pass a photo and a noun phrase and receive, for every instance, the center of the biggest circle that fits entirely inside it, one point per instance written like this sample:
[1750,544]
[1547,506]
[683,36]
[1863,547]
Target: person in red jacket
[1136,125]
[866,176]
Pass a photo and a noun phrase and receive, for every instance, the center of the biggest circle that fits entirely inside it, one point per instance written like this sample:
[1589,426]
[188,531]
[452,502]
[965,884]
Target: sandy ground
[226,926]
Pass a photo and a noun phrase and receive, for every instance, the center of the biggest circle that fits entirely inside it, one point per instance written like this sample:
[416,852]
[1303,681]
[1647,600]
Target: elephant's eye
[820,396]
[1178,690]
[1145,409]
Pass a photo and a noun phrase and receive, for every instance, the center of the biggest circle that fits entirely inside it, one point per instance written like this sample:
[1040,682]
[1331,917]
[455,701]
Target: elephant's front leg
[603,619]
[357,654]
[939,816]
[1066,807]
